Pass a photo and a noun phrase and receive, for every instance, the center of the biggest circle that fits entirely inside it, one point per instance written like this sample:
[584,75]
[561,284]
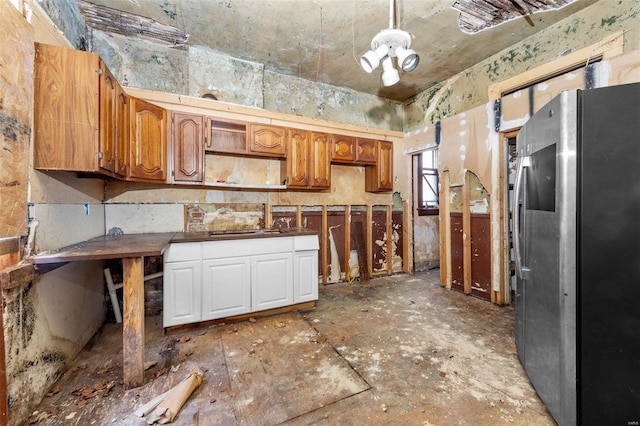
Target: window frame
[422,210]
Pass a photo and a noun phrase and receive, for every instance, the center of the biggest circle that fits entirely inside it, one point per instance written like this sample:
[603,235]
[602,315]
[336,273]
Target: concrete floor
[399,350]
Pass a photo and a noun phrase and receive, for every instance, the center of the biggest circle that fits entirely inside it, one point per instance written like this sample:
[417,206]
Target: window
[428,183]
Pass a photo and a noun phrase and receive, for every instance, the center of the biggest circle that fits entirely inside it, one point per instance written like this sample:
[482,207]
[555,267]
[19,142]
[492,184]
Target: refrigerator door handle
[523,162]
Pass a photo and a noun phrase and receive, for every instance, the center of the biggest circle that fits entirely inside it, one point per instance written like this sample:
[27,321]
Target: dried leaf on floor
[252,320]
[54,390]
[183,339]
[84,392]
[321,339]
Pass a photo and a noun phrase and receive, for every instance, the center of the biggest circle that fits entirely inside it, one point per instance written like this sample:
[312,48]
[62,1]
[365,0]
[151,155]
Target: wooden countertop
[109,247]
[151,244]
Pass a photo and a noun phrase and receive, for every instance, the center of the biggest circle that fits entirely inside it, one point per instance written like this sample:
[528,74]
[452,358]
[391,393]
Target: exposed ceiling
[322,40]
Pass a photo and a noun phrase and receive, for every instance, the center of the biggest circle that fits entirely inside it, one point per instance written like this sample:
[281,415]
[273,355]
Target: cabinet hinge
[100,72]
[99,155]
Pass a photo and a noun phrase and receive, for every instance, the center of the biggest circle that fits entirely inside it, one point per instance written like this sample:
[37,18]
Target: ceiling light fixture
[387,44]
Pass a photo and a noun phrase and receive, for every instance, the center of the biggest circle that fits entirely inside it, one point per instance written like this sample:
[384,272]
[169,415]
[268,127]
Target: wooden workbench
[131,248]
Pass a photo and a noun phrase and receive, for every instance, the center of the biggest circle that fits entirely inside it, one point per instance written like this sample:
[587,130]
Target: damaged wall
[196,71]
[468,136]
[47,318]
[468,89]
[16,114]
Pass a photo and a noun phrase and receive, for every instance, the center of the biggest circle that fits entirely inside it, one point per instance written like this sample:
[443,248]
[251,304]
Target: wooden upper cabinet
[379,178]
[308,164]
[226,137]
[343,149]
[148,140]
[319,161]
[66,109]
[296,163]
[267,140]
[80,114]
[366,151]
[187,144]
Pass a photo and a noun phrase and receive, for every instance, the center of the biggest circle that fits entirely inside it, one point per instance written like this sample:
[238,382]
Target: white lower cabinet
[217,279]
[305,276]
[226,287]
[182,292]
[271,281]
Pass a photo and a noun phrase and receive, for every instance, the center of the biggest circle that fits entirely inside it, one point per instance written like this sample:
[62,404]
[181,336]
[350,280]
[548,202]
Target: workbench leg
[133,322]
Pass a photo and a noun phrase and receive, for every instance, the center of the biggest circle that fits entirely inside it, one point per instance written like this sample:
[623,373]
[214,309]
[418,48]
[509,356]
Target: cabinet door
[267,140]
[182,292]
[379,178]
[108,120]
[226,287]
[122,132]
[296,163]
[319,162]
[148,141]
[343,149]
[66,109]
[188,147]
[305,276]
[366,151]
[271,281]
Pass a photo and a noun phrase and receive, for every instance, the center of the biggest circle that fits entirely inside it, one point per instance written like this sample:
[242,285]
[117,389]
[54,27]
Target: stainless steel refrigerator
[576,224]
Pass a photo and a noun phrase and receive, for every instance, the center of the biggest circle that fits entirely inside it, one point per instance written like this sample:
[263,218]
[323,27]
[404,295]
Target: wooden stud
[299,223]
[445,231]
[389,239]
[268,216]
[324,244]
[407,238]
[133,322]
[369,232]
[347,241]
[466,233]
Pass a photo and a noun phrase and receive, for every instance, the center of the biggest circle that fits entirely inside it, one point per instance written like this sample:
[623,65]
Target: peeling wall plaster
[468,89]
[200,70]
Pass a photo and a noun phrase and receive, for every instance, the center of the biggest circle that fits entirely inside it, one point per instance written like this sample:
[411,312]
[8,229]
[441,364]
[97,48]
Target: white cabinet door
[182,292]
[226,287]
[305,276]
[271,281]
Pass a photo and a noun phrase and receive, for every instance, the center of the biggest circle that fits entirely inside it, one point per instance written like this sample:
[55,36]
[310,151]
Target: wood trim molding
[190,104]
[606,48]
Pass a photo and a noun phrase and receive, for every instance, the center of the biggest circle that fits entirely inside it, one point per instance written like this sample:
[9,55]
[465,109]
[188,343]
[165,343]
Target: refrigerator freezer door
[609,262]
[546,228]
